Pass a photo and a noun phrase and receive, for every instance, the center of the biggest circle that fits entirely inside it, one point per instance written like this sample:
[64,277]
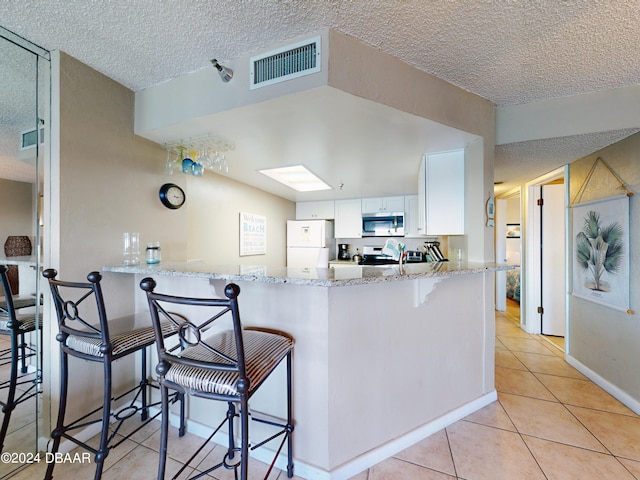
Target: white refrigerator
[310,243]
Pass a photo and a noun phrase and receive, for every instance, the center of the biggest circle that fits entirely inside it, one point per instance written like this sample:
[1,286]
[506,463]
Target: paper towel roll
[323,258]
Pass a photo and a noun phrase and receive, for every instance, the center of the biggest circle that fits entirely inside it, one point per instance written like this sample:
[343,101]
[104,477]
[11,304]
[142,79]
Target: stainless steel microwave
[383,224]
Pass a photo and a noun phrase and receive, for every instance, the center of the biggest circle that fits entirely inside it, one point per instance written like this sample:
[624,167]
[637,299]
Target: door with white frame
[546,272]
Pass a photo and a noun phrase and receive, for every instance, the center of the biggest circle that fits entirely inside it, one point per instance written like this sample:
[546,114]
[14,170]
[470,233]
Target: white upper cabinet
[348,218]
[411,217]
[321,210]
[383,204]
[441,182]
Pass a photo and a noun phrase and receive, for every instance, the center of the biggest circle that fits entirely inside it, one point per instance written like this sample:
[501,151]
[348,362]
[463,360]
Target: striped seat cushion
[263,352]
[27,323]
[123,343]
[18,302]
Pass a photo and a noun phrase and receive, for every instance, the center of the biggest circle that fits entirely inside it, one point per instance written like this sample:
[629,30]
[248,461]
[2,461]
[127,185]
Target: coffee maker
[343,251]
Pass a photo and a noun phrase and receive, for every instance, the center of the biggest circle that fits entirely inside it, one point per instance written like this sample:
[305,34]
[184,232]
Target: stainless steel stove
[373,256]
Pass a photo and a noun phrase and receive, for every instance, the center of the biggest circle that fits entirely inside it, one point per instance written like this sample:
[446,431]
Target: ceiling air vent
[292,61]
[28,138]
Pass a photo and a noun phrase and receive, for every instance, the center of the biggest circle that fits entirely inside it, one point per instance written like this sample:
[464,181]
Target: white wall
[604,340]
[513,209]
[16,211]
[201,93]
[215,203]
[559,117]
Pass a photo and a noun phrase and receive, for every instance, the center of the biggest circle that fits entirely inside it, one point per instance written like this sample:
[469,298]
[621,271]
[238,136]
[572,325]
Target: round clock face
[172,196]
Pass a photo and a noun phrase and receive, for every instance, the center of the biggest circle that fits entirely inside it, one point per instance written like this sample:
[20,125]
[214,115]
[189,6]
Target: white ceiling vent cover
[28,138]
[292,61]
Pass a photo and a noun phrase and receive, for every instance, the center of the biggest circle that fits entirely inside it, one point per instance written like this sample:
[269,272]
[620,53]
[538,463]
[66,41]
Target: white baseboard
[364,461]
[309,472]
[393,447]
[607,386]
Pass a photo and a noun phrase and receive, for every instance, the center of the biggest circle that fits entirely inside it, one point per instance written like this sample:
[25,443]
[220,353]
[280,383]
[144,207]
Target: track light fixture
[225,72]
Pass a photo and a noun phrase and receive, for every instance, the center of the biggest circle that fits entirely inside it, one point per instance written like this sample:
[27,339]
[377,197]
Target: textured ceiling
[512,160]
[507,51]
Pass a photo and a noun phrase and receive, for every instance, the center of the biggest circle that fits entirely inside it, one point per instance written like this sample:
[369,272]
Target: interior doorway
[552,235]
[546,257]
[508,250]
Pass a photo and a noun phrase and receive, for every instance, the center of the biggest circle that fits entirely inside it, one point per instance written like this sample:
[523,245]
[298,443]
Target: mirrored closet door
[24,122]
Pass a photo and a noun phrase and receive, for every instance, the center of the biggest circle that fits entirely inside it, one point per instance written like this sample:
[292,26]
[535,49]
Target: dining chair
[22,384]
[87,333]
[214,362]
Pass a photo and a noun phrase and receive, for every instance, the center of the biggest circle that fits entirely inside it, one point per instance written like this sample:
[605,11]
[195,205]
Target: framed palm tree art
[601,251]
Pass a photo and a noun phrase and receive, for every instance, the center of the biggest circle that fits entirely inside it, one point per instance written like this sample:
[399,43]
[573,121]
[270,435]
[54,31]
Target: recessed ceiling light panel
[296,177]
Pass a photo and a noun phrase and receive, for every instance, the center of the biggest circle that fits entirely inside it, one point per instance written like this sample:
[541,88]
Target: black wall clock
[172,196]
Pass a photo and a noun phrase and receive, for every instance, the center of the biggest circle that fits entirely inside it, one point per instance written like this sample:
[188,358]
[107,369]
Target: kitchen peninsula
[384,356]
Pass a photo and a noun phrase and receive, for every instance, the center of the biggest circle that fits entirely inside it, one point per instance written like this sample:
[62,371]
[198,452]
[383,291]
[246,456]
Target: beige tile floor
[549,423]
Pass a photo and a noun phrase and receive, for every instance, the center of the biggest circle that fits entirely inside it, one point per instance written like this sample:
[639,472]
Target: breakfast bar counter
[320,277]
[383,357]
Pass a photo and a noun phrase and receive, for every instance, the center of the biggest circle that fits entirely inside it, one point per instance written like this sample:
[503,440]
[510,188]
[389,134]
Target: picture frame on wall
[253,234]
[601,251]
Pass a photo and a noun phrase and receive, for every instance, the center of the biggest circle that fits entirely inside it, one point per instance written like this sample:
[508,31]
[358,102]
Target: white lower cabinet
[348,221]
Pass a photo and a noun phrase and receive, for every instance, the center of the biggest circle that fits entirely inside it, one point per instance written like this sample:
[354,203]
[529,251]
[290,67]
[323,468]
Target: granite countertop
[323,277]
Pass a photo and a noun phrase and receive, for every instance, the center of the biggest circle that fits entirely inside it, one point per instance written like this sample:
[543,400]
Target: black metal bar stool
[227,365]
[84,333]
[16,327]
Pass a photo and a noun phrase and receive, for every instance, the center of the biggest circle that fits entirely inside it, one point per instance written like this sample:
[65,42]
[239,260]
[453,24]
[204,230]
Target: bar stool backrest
[220,356]
[77,305]
[7,308]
